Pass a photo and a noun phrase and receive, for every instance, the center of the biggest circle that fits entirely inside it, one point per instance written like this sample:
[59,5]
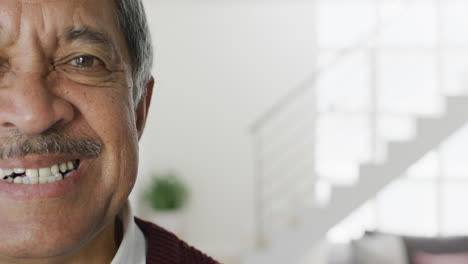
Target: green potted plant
[167,196]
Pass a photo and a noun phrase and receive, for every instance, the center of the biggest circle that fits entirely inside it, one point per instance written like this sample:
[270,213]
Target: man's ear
[143,106]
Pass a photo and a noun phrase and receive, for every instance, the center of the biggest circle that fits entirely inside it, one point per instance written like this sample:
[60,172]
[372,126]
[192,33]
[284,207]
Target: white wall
[218,66]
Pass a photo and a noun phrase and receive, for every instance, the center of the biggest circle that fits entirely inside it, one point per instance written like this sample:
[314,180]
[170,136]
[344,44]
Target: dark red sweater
[165,248]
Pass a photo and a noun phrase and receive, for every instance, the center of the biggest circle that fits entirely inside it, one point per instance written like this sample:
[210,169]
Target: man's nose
[30,105]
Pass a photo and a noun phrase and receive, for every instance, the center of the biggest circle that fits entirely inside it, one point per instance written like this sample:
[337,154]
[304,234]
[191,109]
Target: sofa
[381,248]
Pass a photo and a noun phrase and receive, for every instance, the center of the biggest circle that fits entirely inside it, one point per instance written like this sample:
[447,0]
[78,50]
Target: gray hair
[134,25]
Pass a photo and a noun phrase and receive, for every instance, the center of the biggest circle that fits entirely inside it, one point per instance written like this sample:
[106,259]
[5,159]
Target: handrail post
[259,190]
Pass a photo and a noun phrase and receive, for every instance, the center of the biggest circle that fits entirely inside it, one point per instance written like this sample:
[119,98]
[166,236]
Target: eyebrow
[92,36]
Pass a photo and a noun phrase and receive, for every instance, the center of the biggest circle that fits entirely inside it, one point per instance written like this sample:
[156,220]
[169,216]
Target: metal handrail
[308,84]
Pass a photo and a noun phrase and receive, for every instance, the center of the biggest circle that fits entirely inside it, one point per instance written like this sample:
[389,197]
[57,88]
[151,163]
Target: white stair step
[369,171]
[457,103]
[345,194]
[401,153]
[428,123]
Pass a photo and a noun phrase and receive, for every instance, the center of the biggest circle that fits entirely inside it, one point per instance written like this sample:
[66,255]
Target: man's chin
[42,241]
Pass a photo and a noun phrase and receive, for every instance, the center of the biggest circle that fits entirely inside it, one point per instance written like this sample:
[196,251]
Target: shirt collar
[132,249]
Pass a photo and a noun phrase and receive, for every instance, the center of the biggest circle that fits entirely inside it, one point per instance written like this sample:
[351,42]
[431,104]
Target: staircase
[289,246]
[289,220]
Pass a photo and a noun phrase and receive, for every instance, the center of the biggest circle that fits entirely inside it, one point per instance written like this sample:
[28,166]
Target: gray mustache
[20,145]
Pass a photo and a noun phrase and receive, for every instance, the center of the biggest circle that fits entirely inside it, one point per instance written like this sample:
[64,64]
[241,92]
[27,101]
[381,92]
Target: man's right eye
[83,68]
[86,61]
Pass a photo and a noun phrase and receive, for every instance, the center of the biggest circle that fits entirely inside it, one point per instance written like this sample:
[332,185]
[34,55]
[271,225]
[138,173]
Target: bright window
[417,52]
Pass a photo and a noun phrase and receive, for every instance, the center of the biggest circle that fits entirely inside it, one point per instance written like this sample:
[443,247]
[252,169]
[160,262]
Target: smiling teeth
[44,172]
[19,171]
[54,169]
[54,173]
[18,180]
[33,173]
[63,167]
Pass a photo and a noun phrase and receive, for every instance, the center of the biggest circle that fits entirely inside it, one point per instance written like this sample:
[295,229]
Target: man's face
[64,74]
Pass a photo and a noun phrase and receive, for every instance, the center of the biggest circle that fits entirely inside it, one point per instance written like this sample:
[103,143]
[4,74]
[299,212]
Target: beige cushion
[381,249]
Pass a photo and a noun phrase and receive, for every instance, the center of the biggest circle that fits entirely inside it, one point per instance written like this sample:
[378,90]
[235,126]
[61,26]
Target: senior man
[75,87]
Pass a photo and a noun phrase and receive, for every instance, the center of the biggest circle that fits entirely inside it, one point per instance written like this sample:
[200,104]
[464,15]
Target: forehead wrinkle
[28,23]
[28,9]
[2,35]
[38,1]
[10,21]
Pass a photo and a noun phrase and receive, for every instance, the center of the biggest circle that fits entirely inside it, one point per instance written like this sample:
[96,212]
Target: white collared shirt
[133,247]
